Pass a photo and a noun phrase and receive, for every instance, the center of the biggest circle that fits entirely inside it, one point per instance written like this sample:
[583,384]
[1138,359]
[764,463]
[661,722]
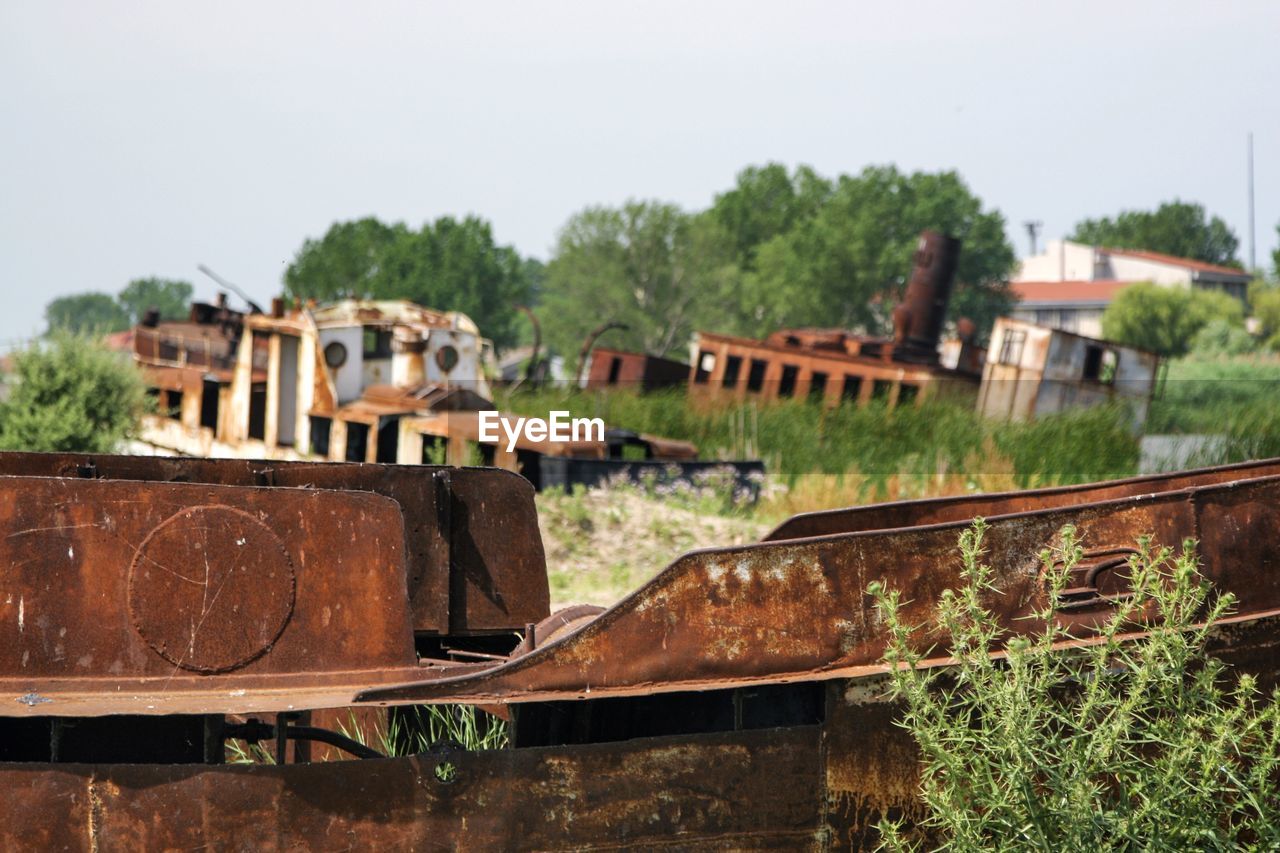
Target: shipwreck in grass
[1034,371]
[360,381]
[836,366]
[155,607]
[1028,371]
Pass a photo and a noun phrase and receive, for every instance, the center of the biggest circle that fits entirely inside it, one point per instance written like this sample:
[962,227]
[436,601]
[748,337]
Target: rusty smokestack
[928,293]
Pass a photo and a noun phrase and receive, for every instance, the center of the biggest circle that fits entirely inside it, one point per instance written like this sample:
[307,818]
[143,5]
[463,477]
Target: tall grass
[1236,398]
[409,730]
[874,446]
[415,729]
[1199,395]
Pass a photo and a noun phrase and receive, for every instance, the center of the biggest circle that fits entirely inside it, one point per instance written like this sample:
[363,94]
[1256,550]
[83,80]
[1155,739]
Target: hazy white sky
[143,138]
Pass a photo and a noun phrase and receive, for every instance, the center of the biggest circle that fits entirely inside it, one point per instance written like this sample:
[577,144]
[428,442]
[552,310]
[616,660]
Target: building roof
[388,312]
[1098,292]
[832,340]
[1173,260]
[119,341]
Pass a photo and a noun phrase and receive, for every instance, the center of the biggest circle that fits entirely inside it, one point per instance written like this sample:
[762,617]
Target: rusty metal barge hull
[733,702]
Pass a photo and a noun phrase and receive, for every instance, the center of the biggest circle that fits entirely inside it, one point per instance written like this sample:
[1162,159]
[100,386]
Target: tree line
[781,247]
[102,313]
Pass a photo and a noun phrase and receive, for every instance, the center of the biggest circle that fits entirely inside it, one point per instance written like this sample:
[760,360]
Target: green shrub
[1219,338]
[1265,302]
[408,730]
[1165,319]
[71,394]
[1148,743]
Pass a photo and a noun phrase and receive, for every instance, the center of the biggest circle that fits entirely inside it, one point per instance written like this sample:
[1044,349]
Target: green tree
[69,393]
[1175,228]
[172,298]
[1275,256]
[348,261]
[766,202]
[1265,303]
[88,313]
[535,276]
[648,264]
[1166,319]
[450,265]
[848,264]
[1132,743]
[458,266]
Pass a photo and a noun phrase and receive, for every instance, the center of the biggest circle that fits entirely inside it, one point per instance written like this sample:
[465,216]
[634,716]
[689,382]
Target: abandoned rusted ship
[153,608]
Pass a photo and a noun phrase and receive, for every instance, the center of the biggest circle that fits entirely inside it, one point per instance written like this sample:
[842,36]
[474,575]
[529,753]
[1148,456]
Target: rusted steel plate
[884,516]
[870,764]
[499,578]
[211,588]
[797,609]
[476,562]
[148,598]
[754,790]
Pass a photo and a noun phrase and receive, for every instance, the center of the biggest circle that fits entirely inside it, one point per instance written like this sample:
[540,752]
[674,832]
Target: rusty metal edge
[1048,491]
[431,689]
[390,695]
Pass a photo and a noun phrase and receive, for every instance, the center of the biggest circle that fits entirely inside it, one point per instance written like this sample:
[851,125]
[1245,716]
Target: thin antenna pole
[1253,261]
[1033,230]
[253,306]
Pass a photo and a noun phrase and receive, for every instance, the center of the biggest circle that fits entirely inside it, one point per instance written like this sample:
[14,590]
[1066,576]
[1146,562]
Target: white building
[1071,284]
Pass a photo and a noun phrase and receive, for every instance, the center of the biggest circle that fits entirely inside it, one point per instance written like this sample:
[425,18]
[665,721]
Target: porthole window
[335,354]
[447,358]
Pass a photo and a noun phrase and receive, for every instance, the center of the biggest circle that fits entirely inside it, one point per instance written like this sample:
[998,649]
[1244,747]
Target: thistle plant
[1129,742]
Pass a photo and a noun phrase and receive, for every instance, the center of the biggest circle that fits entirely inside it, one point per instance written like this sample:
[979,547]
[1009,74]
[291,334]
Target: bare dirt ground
[603,543]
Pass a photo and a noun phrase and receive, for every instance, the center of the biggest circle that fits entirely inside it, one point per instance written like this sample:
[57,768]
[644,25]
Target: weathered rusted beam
[743,790]
[798,610]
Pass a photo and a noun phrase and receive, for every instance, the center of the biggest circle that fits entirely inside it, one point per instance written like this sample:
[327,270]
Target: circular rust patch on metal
[211,588]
